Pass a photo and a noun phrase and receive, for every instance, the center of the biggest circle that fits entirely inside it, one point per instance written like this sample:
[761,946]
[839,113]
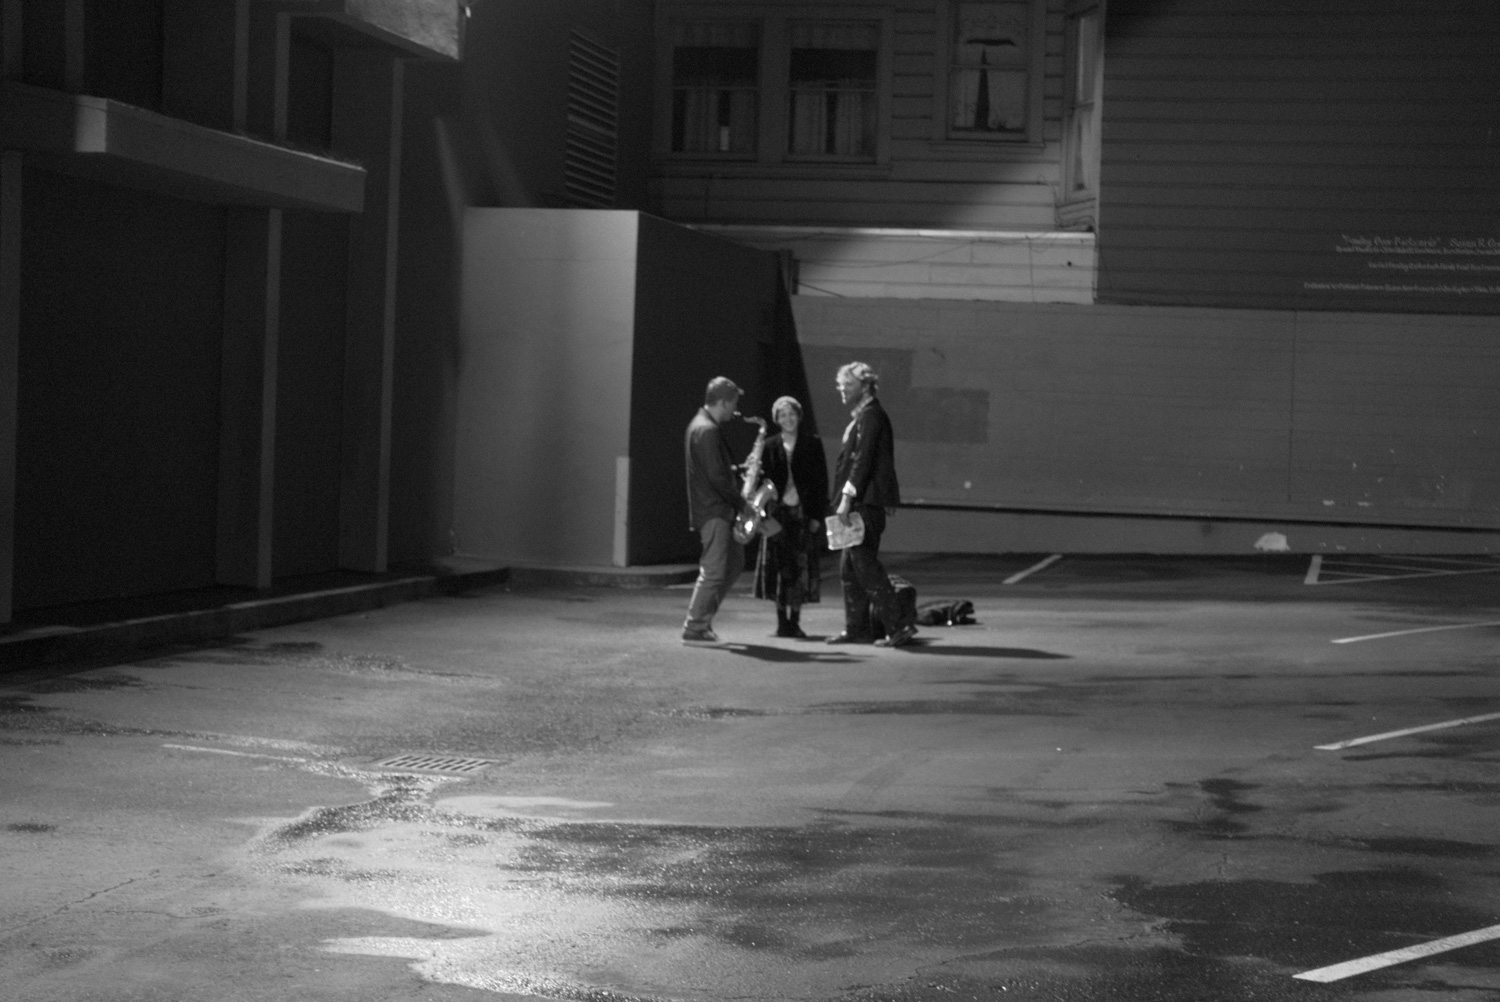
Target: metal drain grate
[436,763]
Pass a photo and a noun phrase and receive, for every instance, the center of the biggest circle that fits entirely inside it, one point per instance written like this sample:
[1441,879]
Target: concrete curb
[536,575]
[137,637]
[142,636]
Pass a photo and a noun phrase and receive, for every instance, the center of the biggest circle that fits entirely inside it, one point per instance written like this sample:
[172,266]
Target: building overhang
[422,29]
[121,144]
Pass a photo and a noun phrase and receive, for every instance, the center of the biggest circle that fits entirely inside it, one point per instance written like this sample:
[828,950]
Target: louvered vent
[593,111]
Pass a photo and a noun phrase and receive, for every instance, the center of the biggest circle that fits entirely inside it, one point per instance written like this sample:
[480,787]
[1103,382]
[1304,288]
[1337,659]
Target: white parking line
[1410,730]
[1313,567]
[1420,629]
[1351,570]
[1337,972]
[1022,575]
[238,754]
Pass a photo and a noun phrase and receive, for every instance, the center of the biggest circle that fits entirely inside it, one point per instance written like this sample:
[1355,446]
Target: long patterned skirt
[787,571]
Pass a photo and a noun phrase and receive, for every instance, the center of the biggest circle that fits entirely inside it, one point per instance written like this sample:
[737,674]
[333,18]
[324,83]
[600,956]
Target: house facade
[914,150]
[1153,275]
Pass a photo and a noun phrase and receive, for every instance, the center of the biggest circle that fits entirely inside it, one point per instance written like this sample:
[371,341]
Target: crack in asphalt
[71,904]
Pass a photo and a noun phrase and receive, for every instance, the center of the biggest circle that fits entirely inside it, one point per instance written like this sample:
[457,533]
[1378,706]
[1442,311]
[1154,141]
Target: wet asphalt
[1107,788]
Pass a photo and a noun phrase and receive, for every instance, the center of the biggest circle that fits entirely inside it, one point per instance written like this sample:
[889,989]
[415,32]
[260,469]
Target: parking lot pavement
[1111,786]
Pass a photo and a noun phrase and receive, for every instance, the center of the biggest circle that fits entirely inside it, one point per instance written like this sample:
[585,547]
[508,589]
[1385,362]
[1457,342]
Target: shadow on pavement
[965,651]
[762,652]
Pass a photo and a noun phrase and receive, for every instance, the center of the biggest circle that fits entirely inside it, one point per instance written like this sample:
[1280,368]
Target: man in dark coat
[866,479]
[713,503]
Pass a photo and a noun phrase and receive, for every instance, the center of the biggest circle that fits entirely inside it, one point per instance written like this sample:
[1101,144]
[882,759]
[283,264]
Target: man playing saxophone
[714,502]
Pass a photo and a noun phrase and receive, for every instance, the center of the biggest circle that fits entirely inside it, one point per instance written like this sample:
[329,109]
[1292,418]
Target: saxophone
[760,493]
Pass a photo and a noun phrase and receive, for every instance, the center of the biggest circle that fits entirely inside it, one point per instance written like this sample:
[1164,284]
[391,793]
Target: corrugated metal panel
[589,160]
[1312,155]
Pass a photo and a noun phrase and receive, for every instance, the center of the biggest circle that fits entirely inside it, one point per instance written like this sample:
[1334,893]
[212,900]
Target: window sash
[715,88]
[833,77]
[1080,113]
[991,66]
[715,120]
[834,121]
[819,91]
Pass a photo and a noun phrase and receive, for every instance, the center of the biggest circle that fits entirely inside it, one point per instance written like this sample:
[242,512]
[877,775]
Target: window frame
[880,104]
[1034,134]
[666,90]
[773,140]
[1072,57]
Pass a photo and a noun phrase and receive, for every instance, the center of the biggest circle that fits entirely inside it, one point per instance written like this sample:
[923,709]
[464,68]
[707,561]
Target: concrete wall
[543,404]
[936,530]
[1364,419]
[588,339]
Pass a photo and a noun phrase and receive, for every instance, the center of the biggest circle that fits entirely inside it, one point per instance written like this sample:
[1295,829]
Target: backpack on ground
[946,612]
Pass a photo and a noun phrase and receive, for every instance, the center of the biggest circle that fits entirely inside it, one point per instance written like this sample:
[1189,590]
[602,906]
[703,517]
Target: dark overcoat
[809,471]
[867,459]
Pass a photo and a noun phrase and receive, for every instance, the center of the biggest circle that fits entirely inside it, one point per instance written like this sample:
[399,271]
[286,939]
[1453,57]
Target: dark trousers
[865,580]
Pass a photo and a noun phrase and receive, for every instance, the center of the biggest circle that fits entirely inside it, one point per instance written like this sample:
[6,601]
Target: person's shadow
[927,646]
[765,652]
[851,653]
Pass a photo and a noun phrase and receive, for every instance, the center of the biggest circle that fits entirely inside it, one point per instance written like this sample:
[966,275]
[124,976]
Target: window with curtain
[715,78]
[990,70]
[1081,104]
[834,98]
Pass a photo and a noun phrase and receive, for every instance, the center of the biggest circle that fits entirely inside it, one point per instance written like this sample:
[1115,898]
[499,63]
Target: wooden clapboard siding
[1024,206]
[855,213]
[1339,150]
[811,189]
[1264,414]
[1245,142]
[923,181]
[1044,267]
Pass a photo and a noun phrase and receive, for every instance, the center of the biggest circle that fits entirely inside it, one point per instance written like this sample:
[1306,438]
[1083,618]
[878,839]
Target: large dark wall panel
[310,393]
[705,307]
[118,432]
[1303,154]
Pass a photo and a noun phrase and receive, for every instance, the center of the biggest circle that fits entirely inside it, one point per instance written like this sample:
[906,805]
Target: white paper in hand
[845,531]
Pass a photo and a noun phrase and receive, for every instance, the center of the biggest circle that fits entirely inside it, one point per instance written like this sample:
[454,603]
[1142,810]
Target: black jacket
[711,487]
[809,471]
[867,459]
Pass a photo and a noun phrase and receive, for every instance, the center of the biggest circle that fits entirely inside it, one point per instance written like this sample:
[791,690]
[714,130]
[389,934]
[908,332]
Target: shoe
[795,619]
[846,638]
[900,638]
[705,636]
